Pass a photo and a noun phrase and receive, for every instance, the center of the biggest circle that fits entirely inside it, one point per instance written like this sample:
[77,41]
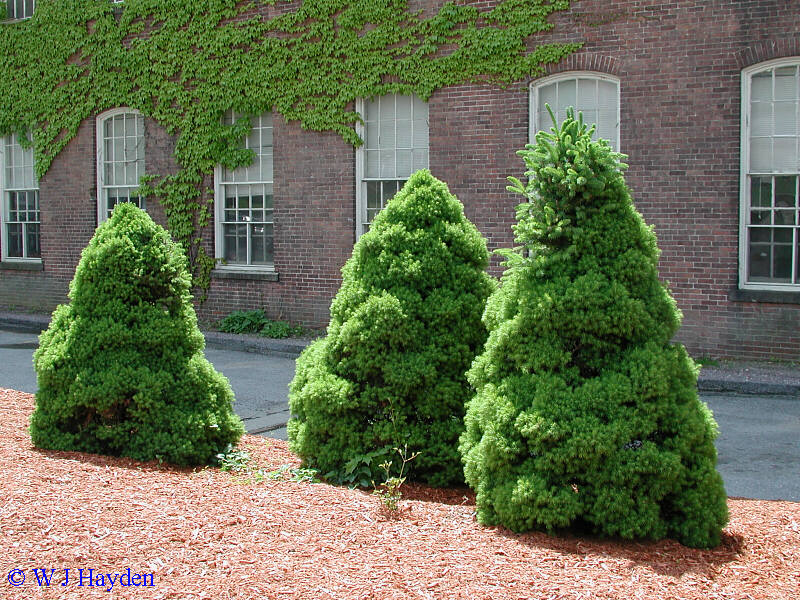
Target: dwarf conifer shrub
[121,369]
[405,326]
[586,416]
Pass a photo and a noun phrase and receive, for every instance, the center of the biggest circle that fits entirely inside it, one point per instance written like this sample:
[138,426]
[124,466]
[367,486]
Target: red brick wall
[679,66]
[475,132]
[314,215]
[68,204]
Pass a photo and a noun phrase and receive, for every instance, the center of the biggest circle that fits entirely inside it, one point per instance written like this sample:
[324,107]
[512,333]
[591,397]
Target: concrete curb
[289,348]
[748,388]
[23,322]
[266,423]
[731,383]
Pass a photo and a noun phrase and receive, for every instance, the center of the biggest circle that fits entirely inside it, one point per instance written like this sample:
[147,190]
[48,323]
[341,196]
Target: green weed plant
[256,322]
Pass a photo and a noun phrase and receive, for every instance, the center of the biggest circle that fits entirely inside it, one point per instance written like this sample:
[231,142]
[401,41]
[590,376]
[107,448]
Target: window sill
[21,265]
[10,21]
[770,296]
[244,274]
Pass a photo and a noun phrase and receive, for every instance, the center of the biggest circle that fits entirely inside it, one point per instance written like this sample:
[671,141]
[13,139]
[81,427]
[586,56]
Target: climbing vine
[185,64]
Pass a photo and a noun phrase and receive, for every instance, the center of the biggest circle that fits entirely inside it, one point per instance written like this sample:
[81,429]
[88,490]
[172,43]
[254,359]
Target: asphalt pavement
[758,446]
[260,383]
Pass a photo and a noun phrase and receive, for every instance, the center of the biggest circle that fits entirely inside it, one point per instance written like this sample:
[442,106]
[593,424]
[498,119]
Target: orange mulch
[211,534]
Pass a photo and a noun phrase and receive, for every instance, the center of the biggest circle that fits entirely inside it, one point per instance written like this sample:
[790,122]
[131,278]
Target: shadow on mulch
[152,466]
[665,557]
[455,496]
[120,462]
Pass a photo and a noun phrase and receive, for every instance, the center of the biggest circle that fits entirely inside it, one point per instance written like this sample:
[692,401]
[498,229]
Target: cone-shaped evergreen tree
[121,369]
[586,416]
[405,326]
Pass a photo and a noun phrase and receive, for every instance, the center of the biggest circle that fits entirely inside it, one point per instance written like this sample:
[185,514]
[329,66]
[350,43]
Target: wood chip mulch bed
[212,534]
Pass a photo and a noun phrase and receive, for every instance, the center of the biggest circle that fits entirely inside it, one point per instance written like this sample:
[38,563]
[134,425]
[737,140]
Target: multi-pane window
[244,201]
[21,221]
[120,140]
[20,9]
[593,94]
[770,236]
[395,135]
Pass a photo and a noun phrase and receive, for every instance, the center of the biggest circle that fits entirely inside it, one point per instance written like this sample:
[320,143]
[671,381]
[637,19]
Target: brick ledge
[770,296]
[22,266]
[242,274]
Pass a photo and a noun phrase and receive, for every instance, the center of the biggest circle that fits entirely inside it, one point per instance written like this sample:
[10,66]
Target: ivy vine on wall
[185,64]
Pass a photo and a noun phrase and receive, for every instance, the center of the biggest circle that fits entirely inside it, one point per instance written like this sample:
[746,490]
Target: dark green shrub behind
[121,369]
[255,321]
[586,416]
[405,326]
[281,330]
[244,321]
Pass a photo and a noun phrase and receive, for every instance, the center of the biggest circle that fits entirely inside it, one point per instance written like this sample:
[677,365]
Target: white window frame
[361,181]
[535,127]
[219,209]
[744,183]
[11,3]
[100,155]
[4,210]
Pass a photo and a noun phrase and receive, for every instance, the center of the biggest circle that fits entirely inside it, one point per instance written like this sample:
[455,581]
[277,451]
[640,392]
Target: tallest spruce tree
[586,415]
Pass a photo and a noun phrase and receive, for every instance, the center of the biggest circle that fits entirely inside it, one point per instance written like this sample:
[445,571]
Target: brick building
[704,97]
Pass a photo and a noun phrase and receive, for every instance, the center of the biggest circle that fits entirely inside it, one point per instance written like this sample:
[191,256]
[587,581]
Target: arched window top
[596,95]
[769,65]
[120,159]
[119,110]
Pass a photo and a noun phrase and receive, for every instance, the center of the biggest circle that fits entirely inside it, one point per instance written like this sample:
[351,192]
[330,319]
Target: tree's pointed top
[571,126]
[423,179]
[126,211]
[131,257]
[423,201]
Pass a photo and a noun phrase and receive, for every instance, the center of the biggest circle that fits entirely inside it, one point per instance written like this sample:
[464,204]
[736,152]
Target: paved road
[259,382]
[759,444]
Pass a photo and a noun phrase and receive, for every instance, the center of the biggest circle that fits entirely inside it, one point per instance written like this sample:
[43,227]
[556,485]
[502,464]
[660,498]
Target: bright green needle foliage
[185,63]
[586,416]
[121,369]
[405,326]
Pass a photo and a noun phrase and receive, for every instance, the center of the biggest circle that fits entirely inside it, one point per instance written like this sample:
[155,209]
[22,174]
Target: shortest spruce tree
[121,369]
[405,326]
[586,417]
